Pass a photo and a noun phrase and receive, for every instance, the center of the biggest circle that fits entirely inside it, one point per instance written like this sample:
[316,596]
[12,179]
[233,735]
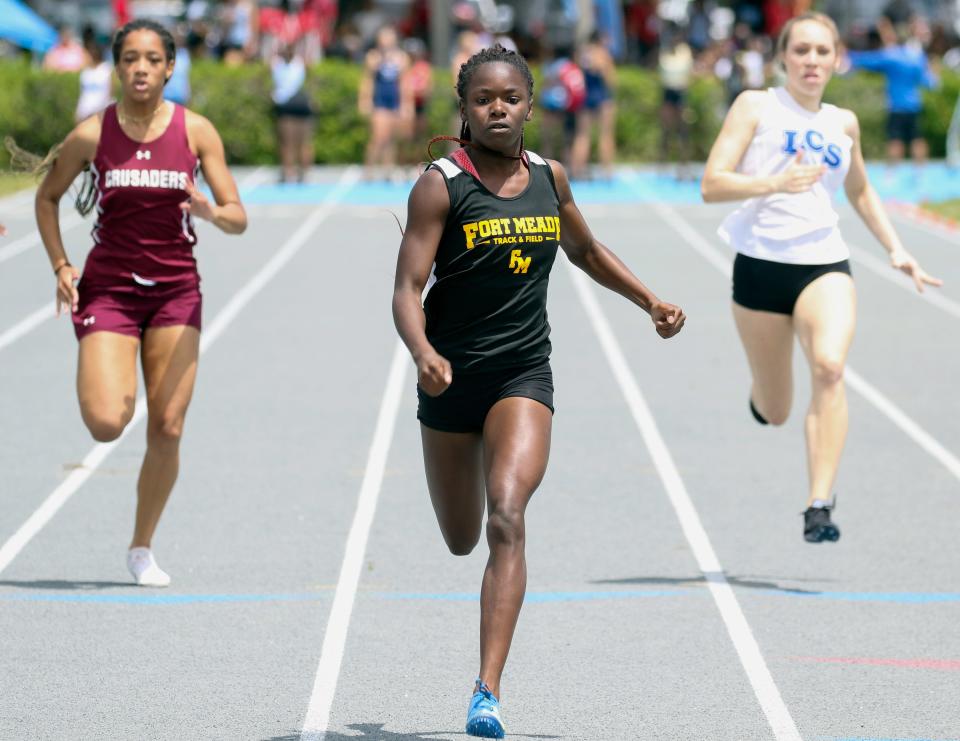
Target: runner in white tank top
[798,228]
[786,153]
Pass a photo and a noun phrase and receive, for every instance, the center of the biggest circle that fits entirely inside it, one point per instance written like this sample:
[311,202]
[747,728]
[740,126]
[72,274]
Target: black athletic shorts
[903,126]
[463,407]
[764,285]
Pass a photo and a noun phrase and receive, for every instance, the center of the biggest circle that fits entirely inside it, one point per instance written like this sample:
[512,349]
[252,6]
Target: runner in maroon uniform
[140,287]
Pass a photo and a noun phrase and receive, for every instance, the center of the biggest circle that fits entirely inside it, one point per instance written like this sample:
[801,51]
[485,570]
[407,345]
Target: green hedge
[36,107]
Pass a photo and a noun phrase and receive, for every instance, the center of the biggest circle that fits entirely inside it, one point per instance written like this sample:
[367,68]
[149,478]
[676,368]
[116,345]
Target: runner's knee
[105,427]
[461,544]
[505,526]
[827,370]
[165,429]
[774,413]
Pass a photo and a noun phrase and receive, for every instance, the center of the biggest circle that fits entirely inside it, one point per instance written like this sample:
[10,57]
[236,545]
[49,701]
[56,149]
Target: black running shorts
[764,285]
[463,407]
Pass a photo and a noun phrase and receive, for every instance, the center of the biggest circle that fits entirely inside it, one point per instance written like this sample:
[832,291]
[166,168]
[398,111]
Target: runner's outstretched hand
[903,260]
[434,374]
[667,318]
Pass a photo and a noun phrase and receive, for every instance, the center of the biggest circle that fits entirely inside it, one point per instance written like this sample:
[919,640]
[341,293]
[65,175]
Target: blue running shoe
[483,718]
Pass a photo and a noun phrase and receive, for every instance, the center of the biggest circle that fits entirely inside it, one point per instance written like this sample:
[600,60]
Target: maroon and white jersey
[141,235]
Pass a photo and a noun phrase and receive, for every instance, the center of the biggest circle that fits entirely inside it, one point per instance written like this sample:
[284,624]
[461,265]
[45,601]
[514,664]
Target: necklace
[125,117]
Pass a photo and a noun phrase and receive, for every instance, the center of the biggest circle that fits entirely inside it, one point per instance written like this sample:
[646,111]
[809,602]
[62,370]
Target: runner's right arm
[722,182]
[427,210]
[76,152]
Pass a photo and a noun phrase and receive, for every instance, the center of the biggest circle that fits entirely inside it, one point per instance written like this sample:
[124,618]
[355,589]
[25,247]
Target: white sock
[143,567]
[821,503]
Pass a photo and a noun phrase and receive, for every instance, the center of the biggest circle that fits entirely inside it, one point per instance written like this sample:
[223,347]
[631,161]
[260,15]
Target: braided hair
[496,53]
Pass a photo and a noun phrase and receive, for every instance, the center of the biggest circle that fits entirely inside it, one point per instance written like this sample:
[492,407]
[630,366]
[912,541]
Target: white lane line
[857,382]
[29,241]
[32,320]
[765,689]
[259,176]
[916,433]
[334,640]
[882,269]
[100,451]
[349,178]
[16,201]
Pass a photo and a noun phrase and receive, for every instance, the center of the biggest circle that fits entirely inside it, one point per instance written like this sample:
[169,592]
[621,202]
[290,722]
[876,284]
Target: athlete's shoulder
[444,168]
[436,172]
[431,184]
[746,113]
[196,121]
[536,159]
[90,127]
[848,121]
[561,183]
[201,133]
[429,198]
[751,102]
[85,136]
[556,168]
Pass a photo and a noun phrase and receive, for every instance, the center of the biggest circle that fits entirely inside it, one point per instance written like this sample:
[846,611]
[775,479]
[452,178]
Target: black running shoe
[817,526]
[756,415]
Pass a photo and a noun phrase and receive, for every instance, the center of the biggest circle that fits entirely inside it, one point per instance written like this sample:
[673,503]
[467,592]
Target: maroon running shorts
[130,312]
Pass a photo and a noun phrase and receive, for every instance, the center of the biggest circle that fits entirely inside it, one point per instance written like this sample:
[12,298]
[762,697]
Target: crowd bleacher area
[236,31]
[714,48]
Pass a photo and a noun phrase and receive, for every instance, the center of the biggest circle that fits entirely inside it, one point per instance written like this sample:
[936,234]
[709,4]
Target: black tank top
[487,309]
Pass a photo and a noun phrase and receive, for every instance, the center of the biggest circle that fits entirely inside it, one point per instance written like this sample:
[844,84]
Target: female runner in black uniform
[488,221]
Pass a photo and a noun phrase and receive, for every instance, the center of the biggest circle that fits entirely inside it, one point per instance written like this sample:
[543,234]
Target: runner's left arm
[228,213]
[599,262]
[868,205]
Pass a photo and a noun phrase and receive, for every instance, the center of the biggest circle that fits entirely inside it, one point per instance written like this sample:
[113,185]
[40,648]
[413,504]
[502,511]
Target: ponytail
[23,161]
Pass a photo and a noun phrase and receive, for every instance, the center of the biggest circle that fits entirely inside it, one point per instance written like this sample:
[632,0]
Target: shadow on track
[736,581]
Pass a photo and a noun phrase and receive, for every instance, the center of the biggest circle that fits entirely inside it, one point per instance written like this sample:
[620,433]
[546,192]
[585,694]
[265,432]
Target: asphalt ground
[670,592]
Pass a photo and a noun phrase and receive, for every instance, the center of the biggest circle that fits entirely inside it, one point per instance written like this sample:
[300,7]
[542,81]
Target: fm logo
[518,263]
[812,141]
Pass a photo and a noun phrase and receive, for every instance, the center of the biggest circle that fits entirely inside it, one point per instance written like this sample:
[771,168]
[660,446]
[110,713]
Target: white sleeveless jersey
[798,228]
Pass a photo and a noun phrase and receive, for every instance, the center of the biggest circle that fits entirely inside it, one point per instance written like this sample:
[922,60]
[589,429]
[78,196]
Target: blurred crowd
[578,43]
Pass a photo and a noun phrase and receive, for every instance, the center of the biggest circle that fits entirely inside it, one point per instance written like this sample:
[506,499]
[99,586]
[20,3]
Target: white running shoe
[143,567]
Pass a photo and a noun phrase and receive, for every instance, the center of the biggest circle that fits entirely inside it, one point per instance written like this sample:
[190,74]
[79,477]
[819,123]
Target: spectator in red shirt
[642,29]
[121,13]
[775,14]
[319,17]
